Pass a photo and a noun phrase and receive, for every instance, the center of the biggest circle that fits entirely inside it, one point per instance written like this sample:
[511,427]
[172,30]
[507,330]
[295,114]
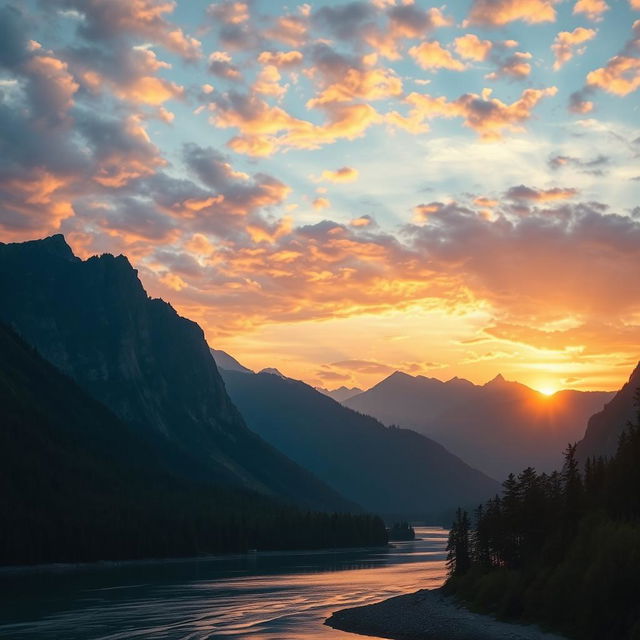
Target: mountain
[273,372]
[78,484]
[225,361]
[498,427]
[604,428]
[386,470]
[94,321]
[341,393]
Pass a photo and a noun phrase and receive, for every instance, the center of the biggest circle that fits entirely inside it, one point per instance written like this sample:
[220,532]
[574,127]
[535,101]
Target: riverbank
[429,615]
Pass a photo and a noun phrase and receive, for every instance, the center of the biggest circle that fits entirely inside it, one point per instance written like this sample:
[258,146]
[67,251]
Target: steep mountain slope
[77,483]
[497,427]
[604,428]
[94,321]
[389,471]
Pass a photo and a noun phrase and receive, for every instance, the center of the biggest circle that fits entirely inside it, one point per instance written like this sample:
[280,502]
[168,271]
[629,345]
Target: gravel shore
[429,615]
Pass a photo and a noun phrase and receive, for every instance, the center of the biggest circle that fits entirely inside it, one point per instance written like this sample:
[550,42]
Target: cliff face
[604,428]
[94,321]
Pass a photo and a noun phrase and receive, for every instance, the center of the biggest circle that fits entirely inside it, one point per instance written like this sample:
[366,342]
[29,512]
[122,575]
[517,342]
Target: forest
[561,549]
[79,484]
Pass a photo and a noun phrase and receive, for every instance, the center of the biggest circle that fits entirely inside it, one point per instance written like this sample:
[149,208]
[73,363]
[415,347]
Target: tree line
[559,549]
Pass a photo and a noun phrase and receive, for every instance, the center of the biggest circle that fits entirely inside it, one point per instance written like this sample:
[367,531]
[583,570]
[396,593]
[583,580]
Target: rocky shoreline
[429,615]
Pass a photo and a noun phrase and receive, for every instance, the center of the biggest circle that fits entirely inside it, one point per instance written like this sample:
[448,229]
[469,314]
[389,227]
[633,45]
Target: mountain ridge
[94,321]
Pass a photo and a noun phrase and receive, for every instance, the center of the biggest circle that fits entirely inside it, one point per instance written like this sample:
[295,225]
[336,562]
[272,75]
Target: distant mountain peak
[341,394]
[499,379]
[273,371]
[228,362]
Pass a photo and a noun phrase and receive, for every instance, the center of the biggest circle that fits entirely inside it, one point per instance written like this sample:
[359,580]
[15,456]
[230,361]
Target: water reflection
[260,596]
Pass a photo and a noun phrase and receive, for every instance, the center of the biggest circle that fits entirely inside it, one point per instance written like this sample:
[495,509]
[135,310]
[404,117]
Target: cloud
[321,203]
[540,195]
[593,9]
[110,20]
[515,66]
[620,76]
[344,174]
[563,46]
[229,11]
[363,366]
[291,30]
[281,59]
[498,13]
[471,47]
[596,166]
[221,65]
[432,55]
[488,117]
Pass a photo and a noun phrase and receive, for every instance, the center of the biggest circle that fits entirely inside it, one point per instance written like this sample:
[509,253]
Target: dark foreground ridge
[429,615]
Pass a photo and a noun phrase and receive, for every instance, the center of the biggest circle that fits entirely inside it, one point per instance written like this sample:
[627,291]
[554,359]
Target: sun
[547,390]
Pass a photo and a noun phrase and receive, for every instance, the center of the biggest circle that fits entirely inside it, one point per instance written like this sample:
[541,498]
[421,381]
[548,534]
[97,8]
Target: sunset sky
[340,190]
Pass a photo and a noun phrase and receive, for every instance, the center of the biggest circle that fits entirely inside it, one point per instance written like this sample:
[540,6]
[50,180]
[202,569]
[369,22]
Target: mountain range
[498,427]
[94,321]
[387,470]
[341,393]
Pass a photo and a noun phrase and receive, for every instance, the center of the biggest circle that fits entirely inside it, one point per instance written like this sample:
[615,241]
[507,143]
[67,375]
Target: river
[262,596]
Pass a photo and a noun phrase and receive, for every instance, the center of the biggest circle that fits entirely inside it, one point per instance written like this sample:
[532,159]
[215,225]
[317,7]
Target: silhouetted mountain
[225,361]
[272,371]
[94,321]
[604,428]
[386,470]
[497,427]
[77,484]
[341,393]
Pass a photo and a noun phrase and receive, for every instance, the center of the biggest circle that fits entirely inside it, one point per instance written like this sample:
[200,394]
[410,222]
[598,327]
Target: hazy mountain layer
[498,427]
[389,471]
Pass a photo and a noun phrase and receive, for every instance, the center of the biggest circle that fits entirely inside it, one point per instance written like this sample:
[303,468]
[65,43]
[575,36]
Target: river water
[263,596]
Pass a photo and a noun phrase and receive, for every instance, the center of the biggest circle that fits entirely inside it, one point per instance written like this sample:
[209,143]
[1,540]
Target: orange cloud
[497,13]
[471,47]
[406,21]
[565,42]
[487,116]
[344,174]
[281,59]
[290,29]
[431,55]
[592,8]
[540,195]
[321,203]
[364,84]
[268,82]
[514,66]
[52,82]
[620,76]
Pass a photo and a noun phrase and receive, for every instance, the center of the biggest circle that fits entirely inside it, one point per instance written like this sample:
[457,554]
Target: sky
[345,189]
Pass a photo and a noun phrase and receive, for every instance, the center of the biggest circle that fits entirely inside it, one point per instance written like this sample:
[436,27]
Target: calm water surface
[258,597]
